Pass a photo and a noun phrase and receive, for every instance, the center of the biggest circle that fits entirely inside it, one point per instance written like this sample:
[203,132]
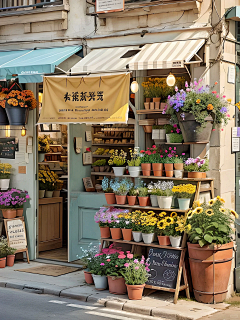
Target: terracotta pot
[3,262]
[131,200]
[102,168]
[164,240]
[105,232]
[121,199]
[147,129]
[56,193]
[206,288]
[178,166]
[88,277]
[162,105]
[195,175]
[10,260]
[147,105]
[127,234]
[135,291]
[96,168]
[168,166]
[156,99]
[148,99]
[169,173]
[143,201]
[116,285]
[152,105]
[204,175]
[146,169]
[157,169]
[20,212]
[110,198]
[116,233]
[156,105]
[9,213]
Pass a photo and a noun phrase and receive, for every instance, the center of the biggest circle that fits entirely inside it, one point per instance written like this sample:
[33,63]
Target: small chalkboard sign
[8,146]
[164,266]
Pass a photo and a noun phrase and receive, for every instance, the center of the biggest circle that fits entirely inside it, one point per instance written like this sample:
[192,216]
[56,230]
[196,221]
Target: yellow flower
[209,212]
[169,220]
[210,107]
[222,200]
[198,101]
[222,210]
[196,204]
[188,227]
[190,214]
[218,198]
[173,214]
[229,100]
[211,202]
[234,213]
[162,214]
[198,210]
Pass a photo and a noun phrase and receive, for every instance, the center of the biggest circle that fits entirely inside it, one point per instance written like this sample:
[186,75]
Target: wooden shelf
[53,153]
[113,144]
[102,173]
[50,131]
[101,156]
[110,137]
[148,111]
[182,143]
[147,207]
[172,178]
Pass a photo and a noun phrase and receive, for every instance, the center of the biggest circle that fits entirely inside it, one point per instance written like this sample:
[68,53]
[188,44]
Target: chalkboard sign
[16,234]
[163,267]
[8,146]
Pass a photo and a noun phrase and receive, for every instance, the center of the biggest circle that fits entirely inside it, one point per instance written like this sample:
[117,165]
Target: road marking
[57,301]
[81,306]
[113,316]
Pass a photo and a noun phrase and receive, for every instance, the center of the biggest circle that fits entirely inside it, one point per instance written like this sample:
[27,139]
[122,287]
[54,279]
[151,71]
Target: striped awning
[174,54]
[106,60]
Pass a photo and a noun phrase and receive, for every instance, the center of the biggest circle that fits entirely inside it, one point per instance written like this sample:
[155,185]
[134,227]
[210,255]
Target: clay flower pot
[146,169]
[9,213]
[143,201]
[121,199]
[56,193]
[178,166]
[3,262]
[105,232]
[195,175]
[20,212]
[157,169]
[131,200]
[116,233]
[88,277]
[110,198]
[146,105]
[116,285]
[10,260]
[168,169]
[204,175]
[148,99]
[164,240]
[127,234]
[135,291]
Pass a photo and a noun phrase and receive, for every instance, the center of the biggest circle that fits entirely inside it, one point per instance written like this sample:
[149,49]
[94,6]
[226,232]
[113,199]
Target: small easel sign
[16,234]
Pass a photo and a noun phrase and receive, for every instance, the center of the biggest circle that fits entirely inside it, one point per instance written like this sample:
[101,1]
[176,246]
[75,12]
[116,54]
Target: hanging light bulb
[134,86]
[23,131]
[7,132]
[171,80]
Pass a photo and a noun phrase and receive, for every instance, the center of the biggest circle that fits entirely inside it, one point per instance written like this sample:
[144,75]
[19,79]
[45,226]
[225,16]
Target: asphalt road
[20,305]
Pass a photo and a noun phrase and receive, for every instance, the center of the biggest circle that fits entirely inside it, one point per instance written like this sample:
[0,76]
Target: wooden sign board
[88,184]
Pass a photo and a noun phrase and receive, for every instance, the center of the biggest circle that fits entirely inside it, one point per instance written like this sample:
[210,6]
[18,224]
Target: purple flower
[102,264]
[223,110]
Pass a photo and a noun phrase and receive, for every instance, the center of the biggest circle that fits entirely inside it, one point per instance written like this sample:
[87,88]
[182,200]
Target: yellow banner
[88,99]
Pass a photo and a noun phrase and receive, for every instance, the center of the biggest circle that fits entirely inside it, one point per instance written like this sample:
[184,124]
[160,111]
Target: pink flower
[166,151]
[170,148]
[147,269]
[154,146]
[148,152]
[102,264]
[154,152]
[217,95]
[188,90]
[222,129]
[161,156]
[228,115]
[174,126]
[88,149]
[174,148]
[136,268]
[183,154]
[108,260]
[171,130]
[121,256]
[135,261]
[142,261]
[213,129]
[130,255]
[126,265]
[121,252]
[224,97]
[128,251]
[96,255]
[214,92]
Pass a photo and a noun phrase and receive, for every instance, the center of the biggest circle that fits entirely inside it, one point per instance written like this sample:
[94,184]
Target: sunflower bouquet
[172,225]
[184,191]
[148,222]
[210,222]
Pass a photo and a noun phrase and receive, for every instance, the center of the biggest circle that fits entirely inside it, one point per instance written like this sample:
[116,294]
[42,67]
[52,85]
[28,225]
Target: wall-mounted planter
[17,116]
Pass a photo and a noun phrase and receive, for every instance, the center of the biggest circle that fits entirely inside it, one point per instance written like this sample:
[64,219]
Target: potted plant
[10,256]
[5,171]
[136,225]
[148,224]
[143,196]
[57,188]
[98,165]
[42,183]
[168,159]
[86,257]
[153,191]
[118,160]
[120,189]
[51,178]
[103,217]
[136,275]
[3,251]
[134,165]
[98,270]
[184,193]
[115,228]
[158,132]
[163,239]
[178,161]
[3,115]
[109,194]
[193,166]
[210,249]
[146,162]
[132,196]
[157,162]
[164,194]
[126,226]
[21,197]
[44,143]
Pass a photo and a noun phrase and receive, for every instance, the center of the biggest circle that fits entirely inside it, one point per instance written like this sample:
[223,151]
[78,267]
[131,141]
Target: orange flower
[210,107]
[198,101]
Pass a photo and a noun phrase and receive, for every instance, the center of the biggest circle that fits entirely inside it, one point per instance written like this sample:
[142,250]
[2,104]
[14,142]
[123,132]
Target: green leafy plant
[133,191]
[176,137]
[142,192]
[97,265]
[135,160]
[115,263]
[3,247]
[136,272]
[100,162]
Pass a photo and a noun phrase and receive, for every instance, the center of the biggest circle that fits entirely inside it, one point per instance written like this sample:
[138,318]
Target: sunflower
[222,210]
[196,204]
[211,202]
[162,214]
[218,198]
[169,220]
[209,212]
[161,224]
[198,210]
[188,227]
[234,213]
[222,200]
[190,214]
[173,214]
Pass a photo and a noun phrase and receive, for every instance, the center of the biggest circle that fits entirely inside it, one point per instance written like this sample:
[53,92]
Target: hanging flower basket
[17,116]
[3,115]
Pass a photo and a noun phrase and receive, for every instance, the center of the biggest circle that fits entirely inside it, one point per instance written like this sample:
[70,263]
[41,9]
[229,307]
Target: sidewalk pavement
[73,285]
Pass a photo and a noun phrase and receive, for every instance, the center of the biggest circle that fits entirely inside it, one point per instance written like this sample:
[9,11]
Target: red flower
[154,152]
[142,151]
[154,146]
[214,92]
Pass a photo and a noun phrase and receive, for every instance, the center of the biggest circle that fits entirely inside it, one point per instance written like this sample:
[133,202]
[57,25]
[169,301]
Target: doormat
[50,270]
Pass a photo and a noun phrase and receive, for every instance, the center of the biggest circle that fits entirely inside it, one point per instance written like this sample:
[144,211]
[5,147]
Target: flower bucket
[183,203]
[3,117]
[164,240]
[56,193]
[20,212]
[131,200]
[178,166]
[146,169]
[156,105]
[135,291]
[143,201]
[116,233]
[134,171]
[178,174]
[166,202]
[88,277]
[117,285]
[110,198]
[4,183]
[100,282]
[195,175]
[137,236]
[10,260]
[41,194]
[175,241]
[118,171]
[121,199]
[9,213]
[159,200]
[48,194]
[3,262]
[17,116]
[157,169]
[127,234]
[206,290]
[147,237]
[154,200]
[105,232]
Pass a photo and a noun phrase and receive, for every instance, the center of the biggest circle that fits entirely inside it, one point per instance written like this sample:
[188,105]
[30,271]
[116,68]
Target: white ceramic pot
[183,203]
[162,134]
[100,282]
[155,134]
[4,184]
[41,194]
[178,174]
[147,237]
[118,171]
[137,236]
[168,137]
[159,200]
[166,202]
[48,194]
[134,171]
[175,241]
[154,200]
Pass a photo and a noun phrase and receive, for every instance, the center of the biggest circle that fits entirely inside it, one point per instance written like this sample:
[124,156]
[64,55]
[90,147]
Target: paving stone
[135,308]
[115,304]
[2,284]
